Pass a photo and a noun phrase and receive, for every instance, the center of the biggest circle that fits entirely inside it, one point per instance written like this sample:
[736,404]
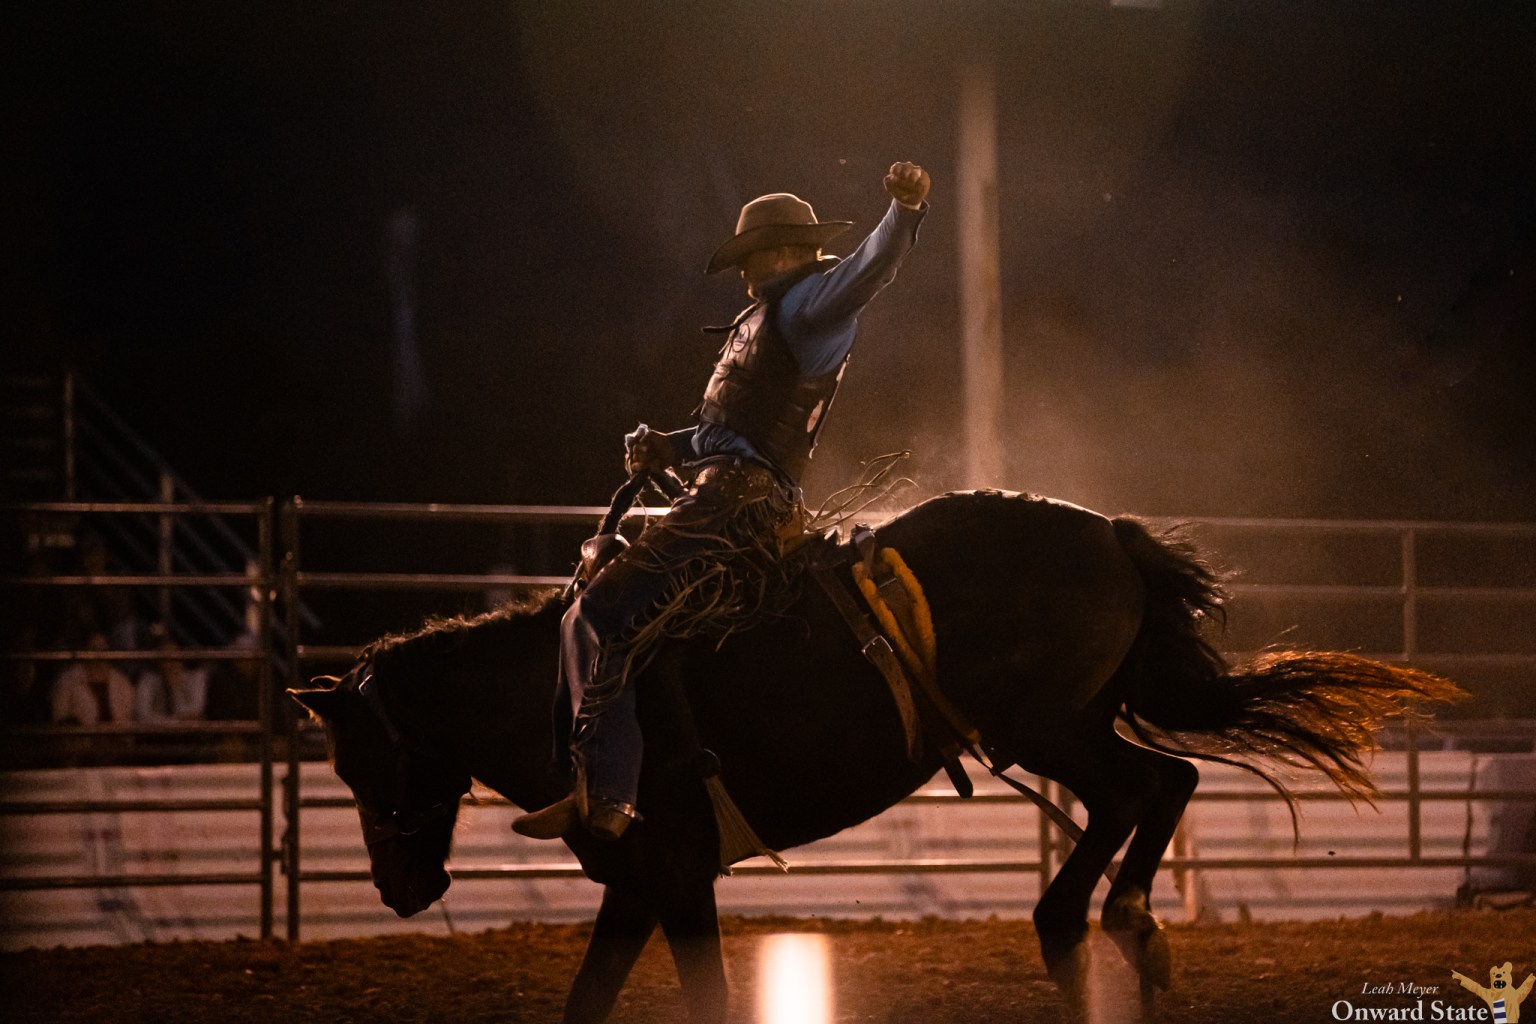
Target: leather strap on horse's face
[382,826]
[379,828]
[368,689]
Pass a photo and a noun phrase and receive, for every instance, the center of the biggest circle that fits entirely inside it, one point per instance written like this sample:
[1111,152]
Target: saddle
[861,579]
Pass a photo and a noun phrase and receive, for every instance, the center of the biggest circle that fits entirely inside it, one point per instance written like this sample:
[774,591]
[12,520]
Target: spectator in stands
[23,693]
[107,610]
[234,689]
[172,690]
[92,692]
[30,624]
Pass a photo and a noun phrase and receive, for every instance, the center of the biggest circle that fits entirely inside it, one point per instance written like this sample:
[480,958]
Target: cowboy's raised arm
[841,292]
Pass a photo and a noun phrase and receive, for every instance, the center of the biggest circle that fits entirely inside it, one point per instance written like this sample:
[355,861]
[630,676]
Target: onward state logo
[1503,1001]
[1502,997]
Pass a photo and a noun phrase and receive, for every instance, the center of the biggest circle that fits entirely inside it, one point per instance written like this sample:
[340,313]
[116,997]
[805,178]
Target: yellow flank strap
[913,638]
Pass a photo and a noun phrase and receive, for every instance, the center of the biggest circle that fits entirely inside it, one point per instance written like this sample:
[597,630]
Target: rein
[379,827]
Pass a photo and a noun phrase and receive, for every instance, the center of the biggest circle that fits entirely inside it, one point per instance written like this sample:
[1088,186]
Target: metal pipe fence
[260,581]
[1407,590]
[283,583]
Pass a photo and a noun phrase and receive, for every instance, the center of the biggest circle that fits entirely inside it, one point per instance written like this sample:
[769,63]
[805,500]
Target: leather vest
[758,391]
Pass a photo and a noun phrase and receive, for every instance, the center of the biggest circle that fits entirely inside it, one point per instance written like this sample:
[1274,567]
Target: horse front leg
[692,927]
[625,921]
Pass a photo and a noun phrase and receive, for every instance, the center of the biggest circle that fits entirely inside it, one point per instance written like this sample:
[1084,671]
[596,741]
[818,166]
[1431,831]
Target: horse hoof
[1139,937]
[1156,964]
[1148,952]
[1068,967]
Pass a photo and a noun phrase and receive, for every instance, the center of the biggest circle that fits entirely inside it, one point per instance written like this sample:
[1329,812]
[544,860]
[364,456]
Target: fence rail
[260,580]
[281,585]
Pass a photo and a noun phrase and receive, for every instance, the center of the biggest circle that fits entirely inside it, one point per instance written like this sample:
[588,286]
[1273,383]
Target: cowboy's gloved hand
[908,184]
[648,451]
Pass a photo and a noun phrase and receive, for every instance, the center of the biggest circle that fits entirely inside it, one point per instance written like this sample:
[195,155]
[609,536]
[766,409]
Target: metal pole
[71,489]
[1410,651]
[290,584]
[1185,879]
[265,578]
[1410,566]
[1047,837]
[1415,806]
[981,304]
[165,562]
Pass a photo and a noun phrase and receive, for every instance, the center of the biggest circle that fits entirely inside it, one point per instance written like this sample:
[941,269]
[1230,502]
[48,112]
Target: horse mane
[439,634]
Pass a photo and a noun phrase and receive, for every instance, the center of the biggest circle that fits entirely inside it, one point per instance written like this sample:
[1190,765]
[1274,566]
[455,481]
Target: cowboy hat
[770,221]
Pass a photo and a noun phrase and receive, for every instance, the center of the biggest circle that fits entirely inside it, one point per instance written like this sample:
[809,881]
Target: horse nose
[396,896]
[404,904]
[407,900]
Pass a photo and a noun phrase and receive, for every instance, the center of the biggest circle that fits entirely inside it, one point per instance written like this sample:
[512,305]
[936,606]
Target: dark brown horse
[1052,623]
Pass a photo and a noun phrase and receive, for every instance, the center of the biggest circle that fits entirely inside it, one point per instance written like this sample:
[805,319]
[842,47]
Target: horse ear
[325,705]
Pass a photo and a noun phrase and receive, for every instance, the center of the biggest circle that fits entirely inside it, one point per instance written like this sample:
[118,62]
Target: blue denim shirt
[819,317]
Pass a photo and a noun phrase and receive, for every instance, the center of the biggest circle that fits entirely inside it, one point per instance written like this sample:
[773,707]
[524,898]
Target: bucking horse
[1081,647]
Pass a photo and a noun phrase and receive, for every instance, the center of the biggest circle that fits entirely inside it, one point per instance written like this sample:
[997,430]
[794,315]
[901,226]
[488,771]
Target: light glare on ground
[794,980]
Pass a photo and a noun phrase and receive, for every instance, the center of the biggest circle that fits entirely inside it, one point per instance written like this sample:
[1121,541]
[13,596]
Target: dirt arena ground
[927,972]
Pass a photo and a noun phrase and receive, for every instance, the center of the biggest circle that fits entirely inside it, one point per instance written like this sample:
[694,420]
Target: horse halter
[382,826]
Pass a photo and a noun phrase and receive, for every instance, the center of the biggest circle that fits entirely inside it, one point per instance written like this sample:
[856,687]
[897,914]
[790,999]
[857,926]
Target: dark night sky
[1258,258]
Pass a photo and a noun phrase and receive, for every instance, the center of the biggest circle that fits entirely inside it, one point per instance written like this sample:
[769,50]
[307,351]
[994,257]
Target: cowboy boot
[603,819]
[552,822]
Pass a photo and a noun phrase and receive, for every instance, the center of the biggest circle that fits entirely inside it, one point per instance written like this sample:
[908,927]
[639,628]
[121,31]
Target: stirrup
[608,819]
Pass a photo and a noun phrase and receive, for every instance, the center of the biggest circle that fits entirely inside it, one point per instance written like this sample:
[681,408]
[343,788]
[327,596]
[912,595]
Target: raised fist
[907,183]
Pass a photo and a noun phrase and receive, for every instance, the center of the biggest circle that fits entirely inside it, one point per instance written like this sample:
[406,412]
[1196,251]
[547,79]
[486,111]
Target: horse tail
[1289,709]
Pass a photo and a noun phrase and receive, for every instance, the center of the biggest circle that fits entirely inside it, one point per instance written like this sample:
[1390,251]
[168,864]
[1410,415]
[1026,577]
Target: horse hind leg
[1115,787]
[1127,918]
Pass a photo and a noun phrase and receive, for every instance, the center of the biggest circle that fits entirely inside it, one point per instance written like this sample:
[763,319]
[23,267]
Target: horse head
[407,793]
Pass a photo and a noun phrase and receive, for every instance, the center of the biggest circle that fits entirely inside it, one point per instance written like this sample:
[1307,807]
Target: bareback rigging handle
[599,549]
[623,498]
[667,482]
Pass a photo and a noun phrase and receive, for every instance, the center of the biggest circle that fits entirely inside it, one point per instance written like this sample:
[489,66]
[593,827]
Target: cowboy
[713,553]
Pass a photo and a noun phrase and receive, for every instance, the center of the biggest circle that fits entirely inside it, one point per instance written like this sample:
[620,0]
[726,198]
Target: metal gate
[259,584]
